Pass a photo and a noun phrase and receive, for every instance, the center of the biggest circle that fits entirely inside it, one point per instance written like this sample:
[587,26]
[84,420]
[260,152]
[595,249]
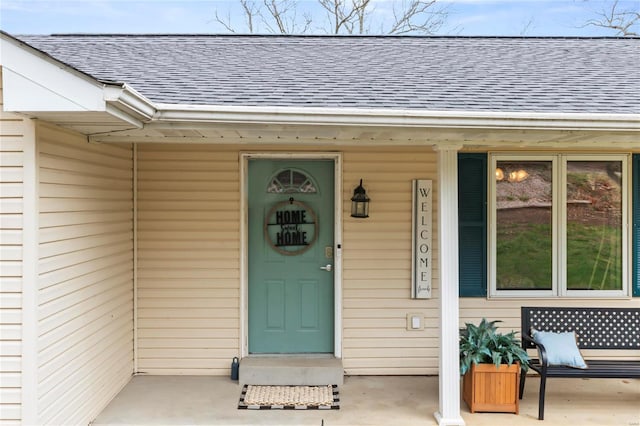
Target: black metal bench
[596,328]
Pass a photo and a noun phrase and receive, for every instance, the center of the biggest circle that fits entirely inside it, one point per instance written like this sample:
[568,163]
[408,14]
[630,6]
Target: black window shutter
[472,223]
[635,195]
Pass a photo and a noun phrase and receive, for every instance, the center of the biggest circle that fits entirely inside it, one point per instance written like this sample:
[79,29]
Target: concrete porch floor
[367,400]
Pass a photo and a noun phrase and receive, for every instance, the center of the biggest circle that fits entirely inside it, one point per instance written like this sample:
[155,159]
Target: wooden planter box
[488,389]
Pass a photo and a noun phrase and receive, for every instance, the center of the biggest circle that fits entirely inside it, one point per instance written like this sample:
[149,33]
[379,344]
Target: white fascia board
[34,82]
[396,118]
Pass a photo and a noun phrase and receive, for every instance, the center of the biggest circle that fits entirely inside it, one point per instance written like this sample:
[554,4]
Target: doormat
[256,397]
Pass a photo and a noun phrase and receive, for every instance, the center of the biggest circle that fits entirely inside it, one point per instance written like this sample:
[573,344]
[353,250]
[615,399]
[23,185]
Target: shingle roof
[589,75]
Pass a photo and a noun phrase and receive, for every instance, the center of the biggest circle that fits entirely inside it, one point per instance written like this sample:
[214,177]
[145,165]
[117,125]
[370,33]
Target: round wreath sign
[291,227]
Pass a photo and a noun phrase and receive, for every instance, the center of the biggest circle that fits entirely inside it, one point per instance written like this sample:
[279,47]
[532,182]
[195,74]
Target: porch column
[449,399]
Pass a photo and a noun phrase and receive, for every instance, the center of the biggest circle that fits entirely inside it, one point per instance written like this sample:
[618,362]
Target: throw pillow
[561,348]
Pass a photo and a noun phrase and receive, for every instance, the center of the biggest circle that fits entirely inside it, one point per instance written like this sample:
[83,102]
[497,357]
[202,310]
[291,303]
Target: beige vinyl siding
[188,259]
[189,262]
[12,129]
[85,286]
[377,266]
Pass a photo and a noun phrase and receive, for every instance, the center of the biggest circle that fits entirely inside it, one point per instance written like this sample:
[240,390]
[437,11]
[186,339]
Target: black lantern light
[360,202]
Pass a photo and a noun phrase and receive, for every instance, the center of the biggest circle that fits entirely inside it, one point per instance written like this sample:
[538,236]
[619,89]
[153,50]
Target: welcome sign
[422,233]
[291,227]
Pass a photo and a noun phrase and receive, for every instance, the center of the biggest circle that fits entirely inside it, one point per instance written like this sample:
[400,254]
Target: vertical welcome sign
[422,239]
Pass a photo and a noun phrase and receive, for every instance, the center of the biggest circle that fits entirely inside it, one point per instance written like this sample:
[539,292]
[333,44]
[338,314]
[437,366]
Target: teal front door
[291,292]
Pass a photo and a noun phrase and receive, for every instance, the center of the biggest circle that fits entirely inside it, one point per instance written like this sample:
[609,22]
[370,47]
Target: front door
[291,292]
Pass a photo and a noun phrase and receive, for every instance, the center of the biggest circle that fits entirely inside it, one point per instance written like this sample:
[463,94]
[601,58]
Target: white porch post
[449,407]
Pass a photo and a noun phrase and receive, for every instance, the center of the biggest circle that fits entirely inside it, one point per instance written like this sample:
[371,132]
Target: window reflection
[594,225]
[524,225]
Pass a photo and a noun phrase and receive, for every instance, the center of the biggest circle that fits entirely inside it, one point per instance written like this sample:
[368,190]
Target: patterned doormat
[255,397]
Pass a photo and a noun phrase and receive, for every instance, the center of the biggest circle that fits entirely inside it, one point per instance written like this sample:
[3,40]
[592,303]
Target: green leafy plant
[482,344]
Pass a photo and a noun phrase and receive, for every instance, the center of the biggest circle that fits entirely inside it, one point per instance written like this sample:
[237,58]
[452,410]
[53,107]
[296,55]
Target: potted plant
[490,363]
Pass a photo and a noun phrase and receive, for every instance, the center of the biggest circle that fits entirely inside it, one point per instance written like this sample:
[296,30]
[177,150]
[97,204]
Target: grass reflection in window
[524,225]
[589,234]
[594,225]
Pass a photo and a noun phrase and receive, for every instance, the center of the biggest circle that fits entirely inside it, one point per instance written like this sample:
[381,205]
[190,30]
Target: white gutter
[175,113]
[124,98]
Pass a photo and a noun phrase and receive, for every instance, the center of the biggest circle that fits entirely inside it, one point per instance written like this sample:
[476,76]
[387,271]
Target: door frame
[336,157]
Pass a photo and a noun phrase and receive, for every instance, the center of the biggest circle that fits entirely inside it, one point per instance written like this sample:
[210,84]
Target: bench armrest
[541,350]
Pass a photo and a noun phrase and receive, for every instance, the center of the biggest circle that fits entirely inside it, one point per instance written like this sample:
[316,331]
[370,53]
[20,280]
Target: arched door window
[291,181]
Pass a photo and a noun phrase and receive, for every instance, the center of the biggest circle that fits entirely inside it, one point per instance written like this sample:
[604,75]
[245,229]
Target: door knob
[326,268]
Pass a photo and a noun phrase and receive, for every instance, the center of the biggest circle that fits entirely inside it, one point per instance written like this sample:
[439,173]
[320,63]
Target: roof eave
[38,85]
[395,118]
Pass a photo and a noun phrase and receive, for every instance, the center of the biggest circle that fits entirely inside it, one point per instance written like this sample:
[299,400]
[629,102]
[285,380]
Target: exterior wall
[12,140]
[188,259]
[189,265]
[188,286]
[189,262]
[85,285]
[377,266]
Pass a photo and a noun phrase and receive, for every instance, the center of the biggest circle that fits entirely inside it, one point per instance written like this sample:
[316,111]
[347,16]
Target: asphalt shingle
[587,75]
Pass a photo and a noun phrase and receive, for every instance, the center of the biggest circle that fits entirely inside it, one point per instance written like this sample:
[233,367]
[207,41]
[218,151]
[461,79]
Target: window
[558,225]
[291,181]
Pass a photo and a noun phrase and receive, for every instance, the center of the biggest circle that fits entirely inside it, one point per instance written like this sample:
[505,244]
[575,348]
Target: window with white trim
[291,181]
[558,225]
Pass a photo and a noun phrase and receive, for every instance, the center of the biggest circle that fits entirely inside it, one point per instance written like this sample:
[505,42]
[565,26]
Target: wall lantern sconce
[360,202]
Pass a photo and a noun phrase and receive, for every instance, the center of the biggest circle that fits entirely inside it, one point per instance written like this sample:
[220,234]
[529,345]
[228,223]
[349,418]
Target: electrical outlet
[415,322]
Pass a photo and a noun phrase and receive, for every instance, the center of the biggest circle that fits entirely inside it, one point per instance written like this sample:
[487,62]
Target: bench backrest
[597,328]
